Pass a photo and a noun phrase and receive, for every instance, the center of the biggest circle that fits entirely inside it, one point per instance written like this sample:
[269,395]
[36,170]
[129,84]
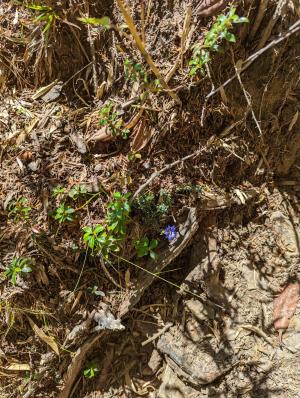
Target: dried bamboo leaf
[18,367]
[42,335]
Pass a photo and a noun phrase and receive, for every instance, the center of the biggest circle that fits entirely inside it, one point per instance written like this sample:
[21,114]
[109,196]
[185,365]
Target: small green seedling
[94,290]
[112,120]
[98,240]
[77,191]
[91,371]
[64,213]
[133,156]
[19,209]
[18,265]
[219,31]
[118,214]
[145,247]
[104,239]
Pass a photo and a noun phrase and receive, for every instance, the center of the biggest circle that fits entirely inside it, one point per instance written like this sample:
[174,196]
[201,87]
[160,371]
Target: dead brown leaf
[42,335]
[284,307]
[104,134]
[141,138]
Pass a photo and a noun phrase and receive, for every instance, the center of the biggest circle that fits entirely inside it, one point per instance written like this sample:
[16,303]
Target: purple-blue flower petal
[170,232]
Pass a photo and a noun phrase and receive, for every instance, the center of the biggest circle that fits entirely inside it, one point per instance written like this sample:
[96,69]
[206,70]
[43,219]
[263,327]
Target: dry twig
[167,167]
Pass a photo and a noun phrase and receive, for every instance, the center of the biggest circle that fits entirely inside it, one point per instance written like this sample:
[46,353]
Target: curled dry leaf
[284,307]
[104,134]
[207,8]
[42,335]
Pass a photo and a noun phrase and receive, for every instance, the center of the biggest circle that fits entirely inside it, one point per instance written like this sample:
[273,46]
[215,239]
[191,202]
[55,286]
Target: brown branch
[167,167]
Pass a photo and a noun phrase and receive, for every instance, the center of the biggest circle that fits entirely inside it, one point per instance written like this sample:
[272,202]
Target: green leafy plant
[47,15]
[152,208]
[105,238]
[99,240]
[91,371]
[118,214]
[164,203]
[112,120]
[146,204]
[77,191]
[58,191]
[212,41]
[64,213]
[18,265]
[135,72]
[145,247]
[19,209]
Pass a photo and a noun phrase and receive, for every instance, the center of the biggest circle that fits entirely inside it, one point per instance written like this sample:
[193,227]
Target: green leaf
[242,20]
[153,244]
[221,18]
[232,12]
[87,230]
[91,242]
[104,21]
[99,228]
[14,278]
[230,37]
[26,269]
[153,255]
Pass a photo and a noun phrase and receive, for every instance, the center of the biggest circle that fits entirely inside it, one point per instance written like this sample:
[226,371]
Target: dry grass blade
[141,46]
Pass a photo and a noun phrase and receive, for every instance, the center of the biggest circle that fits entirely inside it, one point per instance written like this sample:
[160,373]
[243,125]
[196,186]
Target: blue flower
[170,232]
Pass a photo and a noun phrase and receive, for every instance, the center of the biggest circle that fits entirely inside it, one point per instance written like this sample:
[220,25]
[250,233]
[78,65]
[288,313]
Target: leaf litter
[51,136]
